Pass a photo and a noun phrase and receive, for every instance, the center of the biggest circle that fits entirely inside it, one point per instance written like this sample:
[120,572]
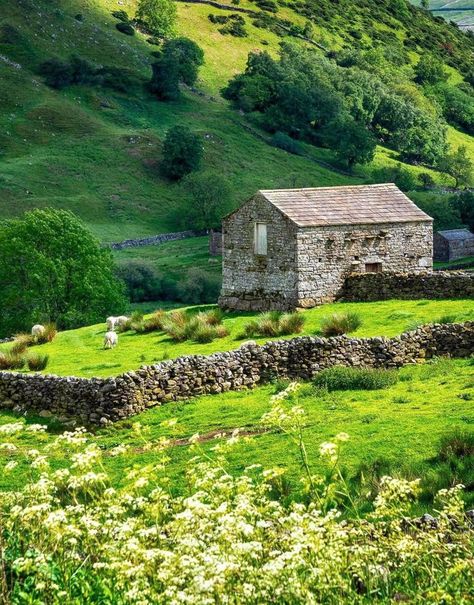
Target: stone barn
[294,247]
[453,244]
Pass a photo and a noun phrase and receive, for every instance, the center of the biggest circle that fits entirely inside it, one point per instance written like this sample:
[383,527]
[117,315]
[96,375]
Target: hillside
[96,151]
[459,11]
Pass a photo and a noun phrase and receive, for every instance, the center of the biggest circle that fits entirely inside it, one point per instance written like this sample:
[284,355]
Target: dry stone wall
[105,400]
[384,286]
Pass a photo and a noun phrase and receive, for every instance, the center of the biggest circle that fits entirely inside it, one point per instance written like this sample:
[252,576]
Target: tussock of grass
[11,361]
[203,327]
[37,362]
[341,378]
[274,323]
[49,334]
[340,323]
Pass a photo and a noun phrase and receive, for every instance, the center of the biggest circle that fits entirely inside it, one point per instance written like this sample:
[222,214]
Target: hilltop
[96,150]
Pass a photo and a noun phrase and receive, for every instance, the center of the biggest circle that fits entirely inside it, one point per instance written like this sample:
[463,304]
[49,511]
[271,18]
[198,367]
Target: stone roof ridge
[345,205]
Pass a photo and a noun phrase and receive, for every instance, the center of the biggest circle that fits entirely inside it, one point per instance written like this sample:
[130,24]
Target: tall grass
[49,334]
[37,362]
[274,323]
[340,323]
[203,327]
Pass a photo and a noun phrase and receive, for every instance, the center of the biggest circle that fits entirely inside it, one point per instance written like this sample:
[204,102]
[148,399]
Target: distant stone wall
[384,286]
[104,400]
[155,240]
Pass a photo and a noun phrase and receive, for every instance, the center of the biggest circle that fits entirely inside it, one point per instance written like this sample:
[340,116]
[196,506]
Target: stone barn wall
[104,400]
[251,282]
[384,286]
[327,255]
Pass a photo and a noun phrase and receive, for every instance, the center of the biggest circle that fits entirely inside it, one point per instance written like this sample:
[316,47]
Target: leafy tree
[464,204]
[457,105]
[206,199]
[159,16]
[440,208]
[178,62]
[430,70]
[402,177]
[422,142]
[352,142]
[458,165]
[182,152]
[53,269]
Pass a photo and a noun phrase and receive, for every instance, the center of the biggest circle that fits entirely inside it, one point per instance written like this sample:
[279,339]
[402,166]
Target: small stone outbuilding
[294,247]
[453,244]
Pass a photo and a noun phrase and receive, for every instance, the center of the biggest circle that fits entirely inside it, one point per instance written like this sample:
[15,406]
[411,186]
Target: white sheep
[37,330]
[121,320]
[110,340]
[111,321]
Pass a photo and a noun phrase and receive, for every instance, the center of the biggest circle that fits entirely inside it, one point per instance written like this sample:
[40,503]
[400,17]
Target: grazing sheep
[111,321]
[110,340]
[121,320]
[37,330]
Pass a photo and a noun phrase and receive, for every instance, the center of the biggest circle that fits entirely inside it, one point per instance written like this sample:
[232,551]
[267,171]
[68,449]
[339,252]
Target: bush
[125,28]
[274,323]
[37,362]
[235,26]
[121,15]
[142,281]
[285,142]
[342,378]
[182,152]
[403,178]
[199,286]
[340,323]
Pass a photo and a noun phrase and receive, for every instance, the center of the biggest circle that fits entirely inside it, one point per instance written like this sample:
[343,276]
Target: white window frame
[260,239]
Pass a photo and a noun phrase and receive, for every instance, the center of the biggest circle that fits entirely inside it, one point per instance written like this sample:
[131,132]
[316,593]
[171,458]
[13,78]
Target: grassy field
[396,430]
[80,352]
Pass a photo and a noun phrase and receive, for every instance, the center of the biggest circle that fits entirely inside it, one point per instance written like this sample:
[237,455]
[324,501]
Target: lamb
[37,330]
[110,340]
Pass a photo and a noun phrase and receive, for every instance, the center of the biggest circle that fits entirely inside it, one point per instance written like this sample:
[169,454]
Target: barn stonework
[453,244]
[294,248]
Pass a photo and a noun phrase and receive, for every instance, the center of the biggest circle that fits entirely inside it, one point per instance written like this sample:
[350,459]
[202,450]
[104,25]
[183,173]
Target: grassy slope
[80,353]
[397,429]
[96,152]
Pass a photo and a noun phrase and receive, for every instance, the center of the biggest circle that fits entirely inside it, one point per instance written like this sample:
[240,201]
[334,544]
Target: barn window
[261,239]
[373,267]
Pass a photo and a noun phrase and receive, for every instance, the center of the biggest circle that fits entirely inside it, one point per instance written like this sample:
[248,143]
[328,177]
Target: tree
[182,152]
[464,204]
[352,142]
[159,16]
[423,142]
[459,166]
[430,70]
[53,269]
[206,199]
[179,62]
[425,4]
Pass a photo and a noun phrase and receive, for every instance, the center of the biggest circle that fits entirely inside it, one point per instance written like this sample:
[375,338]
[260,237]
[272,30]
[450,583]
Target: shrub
[182,152]
[49,334]
[37,362]
[285,142]
[199,286]
[235,26]
[21,343]
[158,16]
[202,327]
[342,378]
[340,323]
[274,323]
[121,15]
[125,28]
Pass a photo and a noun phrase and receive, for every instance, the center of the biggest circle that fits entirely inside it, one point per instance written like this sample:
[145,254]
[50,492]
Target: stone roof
[456,234]
[346,205]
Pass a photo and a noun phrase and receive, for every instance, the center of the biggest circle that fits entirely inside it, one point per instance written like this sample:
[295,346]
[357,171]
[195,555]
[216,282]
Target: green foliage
[205,199]
[457,104]
[235,26]
[273,323]
[198,286]
[285,142]
[143,282]
[423,142]
[178,62]
[182,152]
[398,174]
[351,141]
[340,323]
[459,165]
[125,28]
[121,15]
[440,208]
[51,267]
[430,70]
[159,16]
[342,378]
[464,205]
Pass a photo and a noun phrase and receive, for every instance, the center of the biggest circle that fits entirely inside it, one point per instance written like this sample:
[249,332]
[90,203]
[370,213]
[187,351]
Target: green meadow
[80,352]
